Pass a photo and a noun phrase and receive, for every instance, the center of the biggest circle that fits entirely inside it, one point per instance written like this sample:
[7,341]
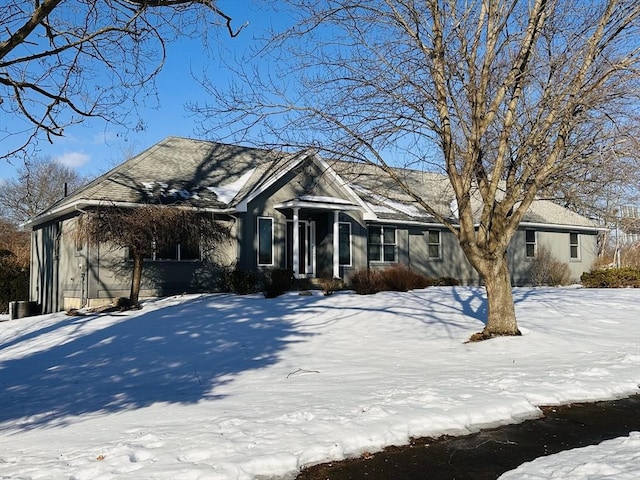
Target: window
[530,241]
[181,252]
[433,243]
[382,244]
[574,246]
[265,241]
[344,243]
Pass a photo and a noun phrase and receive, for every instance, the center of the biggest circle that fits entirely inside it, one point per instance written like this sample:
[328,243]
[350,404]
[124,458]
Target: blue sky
[94,146]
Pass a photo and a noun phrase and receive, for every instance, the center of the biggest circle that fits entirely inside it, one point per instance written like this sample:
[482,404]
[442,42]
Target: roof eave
[78,205]
[591,228]
[568,227]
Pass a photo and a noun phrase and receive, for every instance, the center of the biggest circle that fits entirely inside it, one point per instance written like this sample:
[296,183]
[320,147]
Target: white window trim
[429,245]
[383,244]
[178,248]
[258,241]
[577,258]
[350,245]
[534,243]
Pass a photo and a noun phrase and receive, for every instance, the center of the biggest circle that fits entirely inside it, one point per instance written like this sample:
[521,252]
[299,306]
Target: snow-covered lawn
[227,387]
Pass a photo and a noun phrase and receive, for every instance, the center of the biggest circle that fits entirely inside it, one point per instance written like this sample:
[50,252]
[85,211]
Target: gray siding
[557,242]
[65,275]
[412,251]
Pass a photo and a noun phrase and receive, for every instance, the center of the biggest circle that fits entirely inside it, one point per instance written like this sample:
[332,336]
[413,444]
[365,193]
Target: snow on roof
[379,208]
[324,199]
[388,204]
[226,193]
[161,188]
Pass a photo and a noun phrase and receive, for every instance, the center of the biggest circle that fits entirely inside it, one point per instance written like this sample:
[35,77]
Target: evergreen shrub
[277,282]
[240,282]
[612,278]
[14,283]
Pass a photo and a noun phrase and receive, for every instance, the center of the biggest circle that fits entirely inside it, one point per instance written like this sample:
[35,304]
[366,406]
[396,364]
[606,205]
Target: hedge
[612,278]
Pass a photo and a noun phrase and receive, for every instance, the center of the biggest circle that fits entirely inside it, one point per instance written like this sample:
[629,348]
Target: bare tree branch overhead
[62,61]
[511,99]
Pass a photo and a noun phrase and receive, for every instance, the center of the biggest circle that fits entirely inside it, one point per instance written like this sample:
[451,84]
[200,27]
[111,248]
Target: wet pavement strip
[487,454]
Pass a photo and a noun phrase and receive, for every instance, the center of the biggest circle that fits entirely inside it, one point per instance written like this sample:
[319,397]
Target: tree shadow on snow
[177,354]
[471,302]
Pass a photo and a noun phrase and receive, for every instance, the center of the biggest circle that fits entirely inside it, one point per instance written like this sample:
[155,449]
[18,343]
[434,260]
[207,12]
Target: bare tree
[38,185]
[509,98]
[62,61]
[146,229]
[14,244]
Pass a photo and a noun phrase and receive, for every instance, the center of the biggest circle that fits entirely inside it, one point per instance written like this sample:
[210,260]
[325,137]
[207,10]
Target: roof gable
[181,171]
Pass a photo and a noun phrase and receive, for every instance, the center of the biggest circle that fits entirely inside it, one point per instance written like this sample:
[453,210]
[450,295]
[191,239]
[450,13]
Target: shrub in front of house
[277,282]
[240,282]
[612,278]
[445,282]
[548,270]
[400,278]
[366,282]
[397,278]
[330,285]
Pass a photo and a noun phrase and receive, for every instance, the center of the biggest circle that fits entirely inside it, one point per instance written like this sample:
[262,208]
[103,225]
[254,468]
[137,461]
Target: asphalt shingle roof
[204,174]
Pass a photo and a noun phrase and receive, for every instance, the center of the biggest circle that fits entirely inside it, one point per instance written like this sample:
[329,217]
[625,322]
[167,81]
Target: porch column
[336,245]
[296,243]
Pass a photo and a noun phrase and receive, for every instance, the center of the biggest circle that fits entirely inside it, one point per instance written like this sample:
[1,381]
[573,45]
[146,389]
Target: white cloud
[73,159]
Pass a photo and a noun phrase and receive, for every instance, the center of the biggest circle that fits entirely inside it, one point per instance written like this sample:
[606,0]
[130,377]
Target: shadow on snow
[176,354]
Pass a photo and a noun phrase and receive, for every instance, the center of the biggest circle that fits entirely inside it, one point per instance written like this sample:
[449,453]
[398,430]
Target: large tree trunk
[136,278]
[501,314]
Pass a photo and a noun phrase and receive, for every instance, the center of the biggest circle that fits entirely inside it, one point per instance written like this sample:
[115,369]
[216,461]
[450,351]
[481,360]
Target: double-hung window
[433,244]
[382,243]
[574,246]
[530,243]
[265,241]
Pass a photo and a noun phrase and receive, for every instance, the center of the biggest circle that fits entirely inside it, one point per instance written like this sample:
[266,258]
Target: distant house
[628,228]
[297,211]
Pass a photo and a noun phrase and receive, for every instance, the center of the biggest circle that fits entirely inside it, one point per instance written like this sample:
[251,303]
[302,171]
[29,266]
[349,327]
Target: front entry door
[305,247]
